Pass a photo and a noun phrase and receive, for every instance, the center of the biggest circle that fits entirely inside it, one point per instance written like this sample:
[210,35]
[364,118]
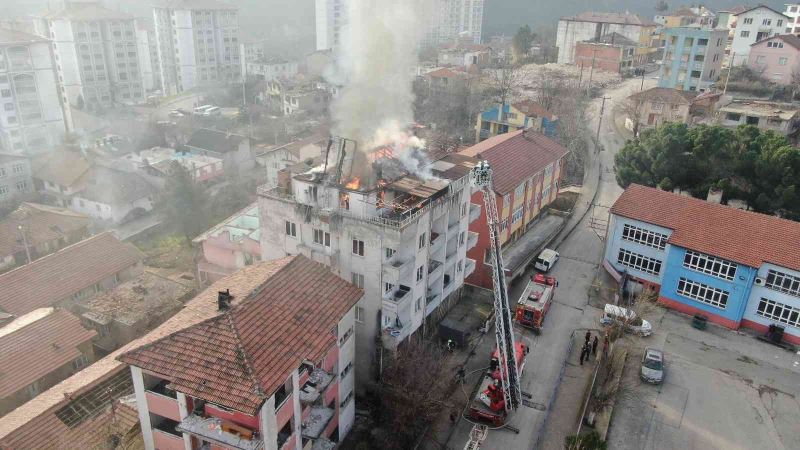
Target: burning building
[392,220]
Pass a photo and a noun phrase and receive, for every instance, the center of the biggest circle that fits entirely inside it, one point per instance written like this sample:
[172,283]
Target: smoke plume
[378,53]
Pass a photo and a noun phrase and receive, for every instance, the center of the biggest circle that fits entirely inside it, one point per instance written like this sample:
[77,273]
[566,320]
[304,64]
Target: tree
[503,80]
[521,44]
[661,6]
[587,441]
[184,203]
[632,108]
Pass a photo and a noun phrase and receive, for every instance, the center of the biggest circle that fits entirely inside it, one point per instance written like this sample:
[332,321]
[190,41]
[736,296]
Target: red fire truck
[534,303]
[488,405]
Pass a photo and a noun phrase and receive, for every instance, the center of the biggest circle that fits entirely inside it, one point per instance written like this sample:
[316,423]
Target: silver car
[652,366]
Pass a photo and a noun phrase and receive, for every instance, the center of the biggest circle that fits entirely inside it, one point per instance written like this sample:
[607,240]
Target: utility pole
[580,78]
[600,119]
[641,88]
[591,71]
[25,243]
[730,67]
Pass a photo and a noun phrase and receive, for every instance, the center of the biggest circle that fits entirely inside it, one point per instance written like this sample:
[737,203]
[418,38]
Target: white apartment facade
[330,17]
[198,44]
[32,117]
[453,19]
[792,11]
[408,263]
[753,25]
[96,53]
[148,56]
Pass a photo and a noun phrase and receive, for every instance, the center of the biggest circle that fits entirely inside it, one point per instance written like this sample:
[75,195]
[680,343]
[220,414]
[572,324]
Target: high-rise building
[402,239]
[330,16]
[97,59]
[31,115]
[198,44]
[148,54]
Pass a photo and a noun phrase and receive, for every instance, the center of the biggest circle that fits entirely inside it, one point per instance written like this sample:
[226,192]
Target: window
[657,106]
[418,304]
[461,237]
[639,262]
[645,237]
[5,93]
[346,400]
[702,42]
[358,247]
[345,336]
[422,241]
[322,238]
[519,191]
[744,34]
[420,273]
[18,168]
[464,209]
[347,369]
[748,21]
[767,22]
[779,312]
[3,190]
[79,363]
[782,61]
[387,287]
[22,186]
[291,229]
[710,265]
[460,266]
[733,116]
[783,282]
[34,389]
[702,293]
[360,310]
[517,215]
[506,201]
[8,106]
[2,172]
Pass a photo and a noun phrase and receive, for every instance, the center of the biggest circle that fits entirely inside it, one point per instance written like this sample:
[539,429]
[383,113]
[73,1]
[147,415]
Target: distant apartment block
[198,44]
[611,53]
[753,25]
[97,56]
[454,19]
[591,25]
[32,117]
[792,11]
[270,367]
[148,54]
[776,58]
[15,177]
[692,58]
[275,159]
[229,246]
[269,69]
[519,116]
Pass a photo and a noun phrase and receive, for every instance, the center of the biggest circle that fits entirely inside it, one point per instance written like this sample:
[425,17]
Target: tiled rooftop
[41,223]
[744,237]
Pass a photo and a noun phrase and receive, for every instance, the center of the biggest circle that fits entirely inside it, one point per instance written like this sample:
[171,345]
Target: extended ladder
[476,437]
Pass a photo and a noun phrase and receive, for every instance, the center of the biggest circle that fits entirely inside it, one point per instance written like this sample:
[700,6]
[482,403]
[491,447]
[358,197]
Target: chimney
[224,299]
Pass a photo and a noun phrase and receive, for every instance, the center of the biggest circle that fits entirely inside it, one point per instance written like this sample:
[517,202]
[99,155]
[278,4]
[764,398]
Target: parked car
[613,314]
[652,370]
[175,113]
[546,260]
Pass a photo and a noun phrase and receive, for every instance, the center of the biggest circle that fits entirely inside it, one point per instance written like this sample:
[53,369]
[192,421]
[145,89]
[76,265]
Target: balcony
[316,384]
[163,401]
[397,294]
[220,432]
[452,228]
[434,270]
[474,212]
[165,437]
[437,240]
[397,269]
[317,421]
[472,240]
[448,285]
[470,267]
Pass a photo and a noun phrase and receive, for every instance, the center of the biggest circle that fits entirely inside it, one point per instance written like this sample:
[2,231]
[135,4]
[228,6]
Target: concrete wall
[603,57]
[569,33]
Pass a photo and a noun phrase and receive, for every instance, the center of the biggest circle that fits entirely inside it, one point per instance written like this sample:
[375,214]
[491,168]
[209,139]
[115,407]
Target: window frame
[704,263]
[639,262]
[702,293]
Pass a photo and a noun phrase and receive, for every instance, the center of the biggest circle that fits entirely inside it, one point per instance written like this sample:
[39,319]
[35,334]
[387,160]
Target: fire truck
[535,301]
[489,405]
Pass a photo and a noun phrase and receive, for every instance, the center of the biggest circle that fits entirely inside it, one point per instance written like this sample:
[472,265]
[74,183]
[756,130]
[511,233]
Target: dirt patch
[565,201]
[764,389]
[746,359]
[170,252]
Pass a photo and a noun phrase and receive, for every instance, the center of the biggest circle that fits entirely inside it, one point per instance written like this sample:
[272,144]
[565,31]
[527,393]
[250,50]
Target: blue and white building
[692,58]
[738,268]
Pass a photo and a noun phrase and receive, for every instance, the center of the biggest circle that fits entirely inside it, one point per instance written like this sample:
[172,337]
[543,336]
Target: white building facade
[97,57]
[32,117]
[148,56]
[198,44]
[330,16]
[587,26]
[792,11]
[753,25]
[408,265]
[453,19]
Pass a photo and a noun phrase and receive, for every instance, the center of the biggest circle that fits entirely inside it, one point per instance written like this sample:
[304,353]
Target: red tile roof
[42,224]
[533,109]
[516,156]
[33,351]
[741,236]
[56,277]
[34,425]
[240,358]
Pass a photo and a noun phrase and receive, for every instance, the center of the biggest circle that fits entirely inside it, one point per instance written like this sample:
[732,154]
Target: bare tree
[552,86]
[633,108]
[795,81]
[504,79]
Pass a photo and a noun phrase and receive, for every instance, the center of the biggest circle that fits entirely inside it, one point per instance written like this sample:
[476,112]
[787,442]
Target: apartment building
[593,25]
[518,116]
[148,54]
[693,58]
[400,236]
[32,117]
[736,267]
[455,19]
[15,177]
[792,11]
[330,16]
[198,44]
[526,171]
[753,25]
[270,367]
[776,58]
[96,53]
[230,245]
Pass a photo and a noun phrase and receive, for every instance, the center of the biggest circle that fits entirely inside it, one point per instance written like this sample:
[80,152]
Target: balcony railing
[474,212]
[434,270]
[316,384]
[398,294]
[220,432]
[472,240]
[317,421]
[397,269]
[469,268]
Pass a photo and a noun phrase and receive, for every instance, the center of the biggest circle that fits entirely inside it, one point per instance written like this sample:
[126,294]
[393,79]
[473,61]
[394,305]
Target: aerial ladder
[481,178]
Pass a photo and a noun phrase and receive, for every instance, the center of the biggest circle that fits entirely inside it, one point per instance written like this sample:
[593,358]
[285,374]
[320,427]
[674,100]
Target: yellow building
[519,116]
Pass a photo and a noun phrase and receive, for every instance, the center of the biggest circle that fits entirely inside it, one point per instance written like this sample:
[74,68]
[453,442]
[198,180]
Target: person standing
[595,341]
[588,336]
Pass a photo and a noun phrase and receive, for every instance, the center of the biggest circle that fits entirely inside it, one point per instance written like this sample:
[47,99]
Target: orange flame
[353,184]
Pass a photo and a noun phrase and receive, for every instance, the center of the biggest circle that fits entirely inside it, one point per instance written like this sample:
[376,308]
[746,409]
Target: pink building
[270,369]
[230,245]
[776,58]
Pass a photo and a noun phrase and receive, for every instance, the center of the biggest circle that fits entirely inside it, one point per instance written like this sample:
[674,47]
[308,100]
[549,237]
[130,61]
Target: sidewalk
[591,180]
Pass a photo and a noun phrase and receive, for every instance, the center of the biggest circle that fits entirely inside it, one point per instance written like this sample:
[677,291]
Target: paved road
[581,254]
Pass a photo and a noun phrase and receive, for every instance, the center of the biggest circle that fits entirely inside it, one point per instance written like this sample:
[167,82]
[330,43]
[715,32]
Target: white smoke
[377,56]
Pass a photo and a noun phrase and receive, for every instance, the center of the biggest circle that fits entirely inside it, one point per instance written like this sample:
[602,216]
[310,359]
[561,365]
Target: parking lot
[722,389]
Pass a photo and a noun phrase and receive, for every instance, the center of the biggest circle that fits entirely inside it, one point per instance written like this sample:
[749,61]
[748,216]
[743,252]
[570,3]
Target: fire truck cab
[535,301]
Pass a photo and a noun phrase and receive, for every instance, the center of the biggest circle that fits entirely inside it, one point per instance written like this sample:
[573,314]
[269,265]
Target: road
[581,253]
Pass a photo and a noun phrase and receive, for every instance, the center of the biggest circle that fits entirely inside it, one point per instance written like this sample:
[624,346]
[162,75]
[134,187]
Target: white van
[201,109]
[617,314]
[546,260]
[212,111]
